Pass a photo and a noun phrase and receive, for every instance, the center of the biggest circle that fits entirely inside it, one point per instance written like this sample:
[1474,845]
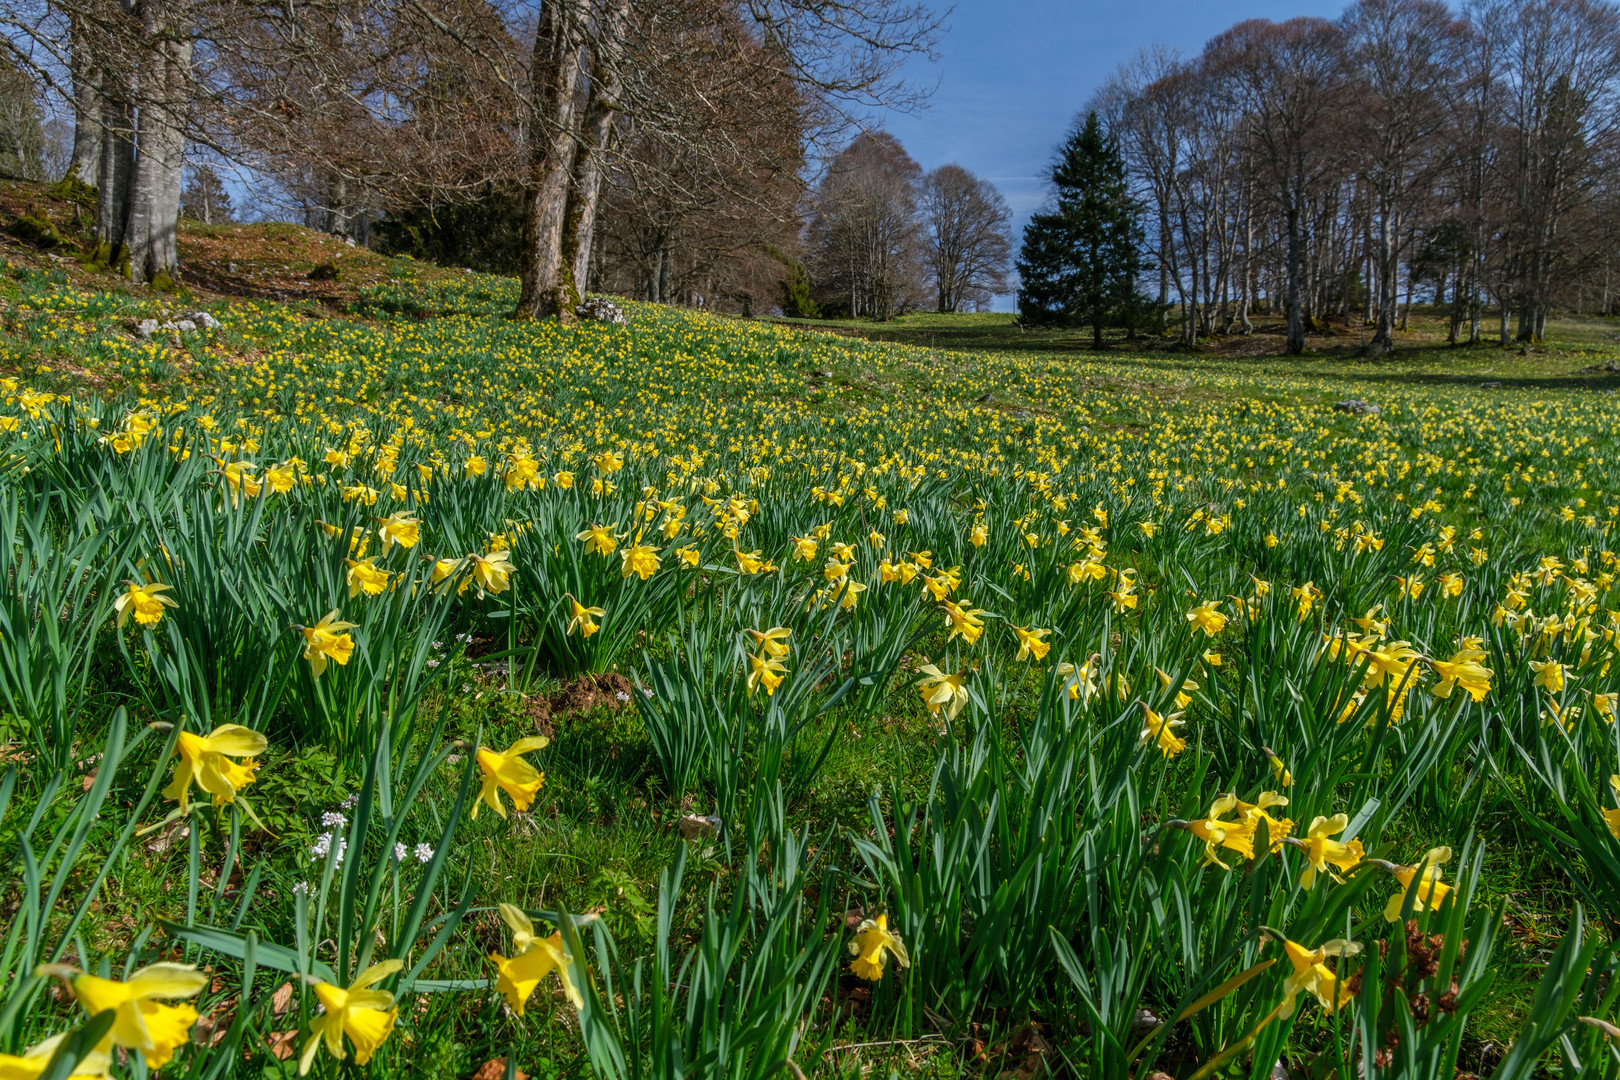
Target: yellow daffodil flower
[365,577]
[942,691]
[772,642]
[1217,833]
[399,528]
[1429,892]
[1160,730]
[1313,976]
[533,958]
[142,1023]
[205,761]
[492,573]
[766,671]
[600,539]
[1321,850]
[1549,675]
[31,1063]
[964,622]
[1207,619]
[640,560]
[365,1015]
[1032,643]
[145,602]
[1464,670]
[581,617]
[507,771]
[326,641]
[874,943]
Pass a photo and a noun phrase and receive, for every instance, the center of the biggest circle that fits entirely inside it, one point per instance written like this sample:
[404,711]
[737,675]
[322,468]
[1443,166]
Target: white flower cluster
[423,853]
[323,847]
[333,820]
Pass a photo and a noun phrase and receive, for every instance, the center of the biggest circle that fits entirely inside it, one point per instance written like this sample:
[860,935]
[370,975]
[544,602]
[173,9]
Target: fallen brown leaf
[495,1069]
[283,1044]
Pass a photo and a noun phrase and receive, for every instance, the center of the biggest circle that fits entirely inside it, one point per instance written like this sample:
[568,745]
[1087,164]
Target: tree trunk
[117,167]
[554,135]
[579,228]
[1296,279]
[1165,240]
[154,190]
[88,108]
[1383,339]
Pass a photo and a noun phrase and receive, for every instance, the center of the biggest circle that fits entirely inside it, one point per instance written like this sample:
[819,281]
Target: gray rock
[184,326]
[694,826]
[600,309]
[1356,407]
[146,328]
[204,320]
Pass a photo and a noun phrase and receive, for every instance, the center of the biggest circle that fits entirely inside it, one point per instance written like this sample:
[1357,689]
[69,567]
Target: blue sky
[1012,74]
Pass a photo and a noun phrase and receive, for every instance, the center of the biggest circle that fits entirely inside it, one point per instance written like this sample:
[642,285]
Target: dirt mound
[586,692]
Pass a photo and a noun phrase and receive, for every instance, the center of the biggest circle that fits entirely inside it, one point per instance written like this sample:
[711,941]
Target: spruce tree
[1081,259]
[205,198]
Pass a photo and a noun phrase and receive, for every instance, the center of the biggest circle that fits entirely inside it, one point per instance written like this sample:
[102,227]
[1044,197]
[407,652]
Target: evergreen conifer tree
[1081,258]
[205,198]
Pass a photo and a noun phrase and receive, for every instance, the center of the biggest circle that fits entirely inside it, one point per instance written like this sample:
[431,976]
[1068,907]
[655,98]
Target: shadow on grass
[1486,366]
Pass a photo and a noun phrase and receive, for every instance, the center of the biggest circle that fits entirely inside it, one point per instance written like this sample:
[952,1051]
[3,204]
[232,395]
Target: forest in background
[729,156]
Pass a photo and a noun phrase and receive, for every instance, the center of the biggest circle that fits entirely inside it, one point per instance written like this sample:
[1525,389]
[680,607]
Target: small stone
[1356,407]
[696,825]
[146,328]
[204,320]
[600,309]
[1145,1021]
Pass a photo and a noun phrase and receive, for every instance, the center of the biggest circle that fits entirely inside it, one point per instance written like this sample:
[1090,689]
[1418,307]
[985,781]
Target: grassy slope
[604,836]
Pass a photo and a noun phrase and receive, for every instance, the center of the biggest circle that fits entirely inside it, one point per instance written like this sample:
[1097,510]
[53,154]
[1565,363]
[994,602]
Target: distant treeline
[1405,152]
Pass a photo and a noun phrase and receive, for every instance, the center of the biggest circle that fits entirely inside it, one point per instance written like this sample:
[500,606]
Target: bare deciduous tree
[864,246]
[1287,77]
[966,239]
[1342,167]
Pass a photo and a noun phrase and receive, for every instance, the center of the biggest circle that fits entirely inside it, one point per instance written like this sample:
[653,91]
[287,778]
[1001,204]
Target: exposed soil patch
[608,689]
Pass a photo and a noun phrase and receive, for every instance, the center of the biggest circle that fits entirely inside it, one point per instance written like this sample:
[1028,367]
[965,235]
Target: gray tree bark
[117,123]
[590,161]
[154,190]
[554,137]
[88,135]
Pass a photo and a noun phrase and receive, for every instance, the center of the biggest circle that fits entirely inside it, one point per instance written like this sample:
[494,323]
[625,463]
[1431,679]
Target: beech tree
[1338,171]
[1287,77]
[966,241]
[838,55]
[864,241]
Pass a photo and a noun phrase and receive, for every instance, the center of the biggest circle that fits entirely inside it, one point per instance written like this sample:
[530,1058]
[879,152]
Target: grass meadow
[390,688]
